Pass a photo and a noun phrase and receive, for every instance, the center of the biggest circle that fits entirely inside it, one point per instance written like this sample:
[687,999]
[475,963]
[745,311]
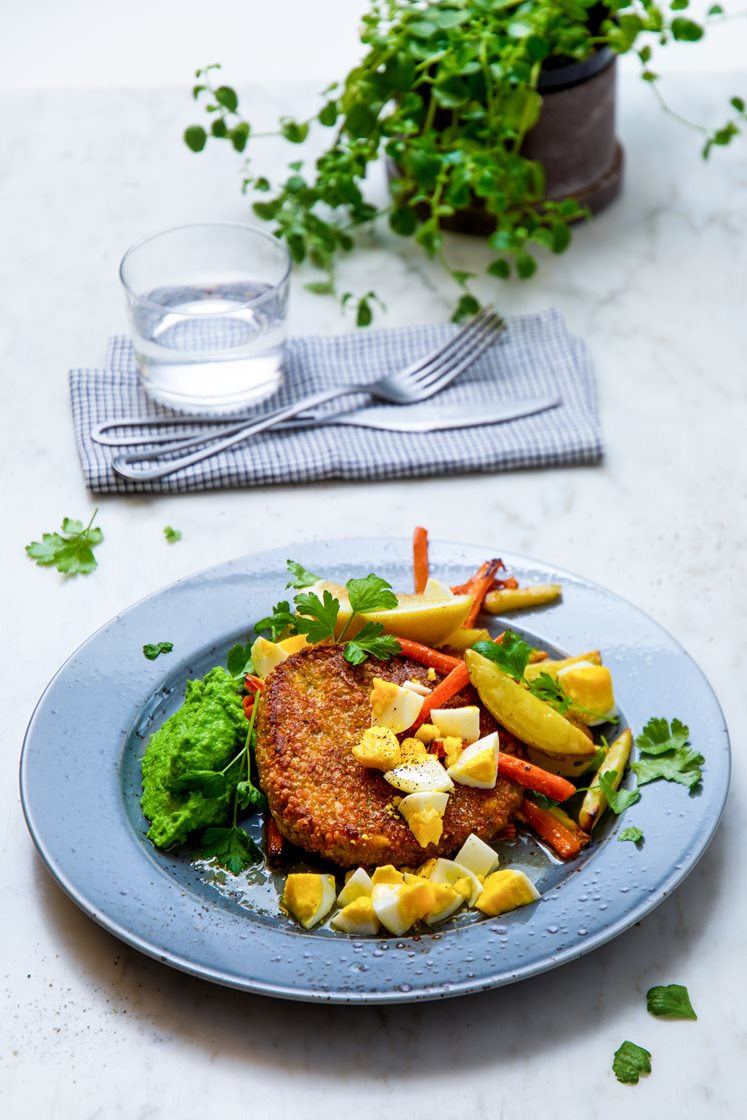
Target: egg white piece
[394,707]
[476,856]
[462,723]
[420,777]
[357,886]
[477,765]
[419,802]
[350,920]
[449,908]
[449,871]
[266,655]
[417,687]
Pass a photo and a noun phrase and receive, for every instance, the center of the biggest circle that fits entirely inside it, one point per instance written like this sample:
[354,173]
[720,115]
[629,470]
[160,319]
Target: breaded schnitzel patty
[314,709]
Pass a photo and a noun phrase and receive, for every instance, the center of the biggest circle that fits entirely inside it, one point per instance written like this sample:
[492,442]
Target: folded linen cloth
[536,355]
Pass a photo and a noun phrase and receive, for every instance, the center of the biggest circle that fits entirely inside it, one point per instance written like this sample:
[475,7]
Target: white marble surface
[656,286]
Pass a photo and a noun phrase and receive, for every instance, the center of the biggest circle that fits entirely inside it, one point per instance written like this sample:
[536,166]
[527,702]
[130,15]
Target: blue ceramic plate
[80,785]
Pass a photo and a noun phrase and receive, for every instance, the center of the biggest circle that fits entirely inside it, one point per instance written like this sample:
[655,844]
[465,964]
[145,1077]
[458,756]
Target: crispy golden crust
[314,709]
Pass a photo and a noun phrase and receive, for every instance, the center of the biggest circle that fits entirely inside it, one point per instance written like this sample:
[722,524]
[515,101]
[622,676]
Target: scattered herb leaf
[629,1062]
[546,688]
[371,641]
[657,737]
[70,550]
[683,766]
[618,799]
[172,535]
[370,594]
[249,796]
[511,654]
[211,783]
[279,622]
[633,834]
[239,660]
[233,847]
[671,1000]
[152,651]
[317,617]
[300,576]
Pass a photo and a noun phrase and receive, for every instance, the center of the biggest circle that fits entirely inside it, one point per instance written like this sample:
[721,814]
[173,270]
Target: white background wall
[161,42]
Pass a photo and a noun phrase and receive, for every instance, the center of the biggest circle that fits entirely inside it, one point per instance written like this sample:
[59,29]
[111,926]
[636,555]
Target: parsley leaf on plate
[300,576]
[370,594]
[510,654]
[657,737]
[633,834]
[546,688]
[317,617]
[248,795]
[618,799]
[682,765]
[239,660]
[672,1000]
[233,847]
[371,641]
[154,650]
[210,783]
[172,535]
[629,1062]
[70,550]
[281,620]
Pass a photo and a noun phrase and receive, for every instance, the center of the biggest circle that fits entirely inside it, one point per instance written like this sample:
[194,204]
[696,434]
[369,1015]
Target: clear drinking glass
[207,305]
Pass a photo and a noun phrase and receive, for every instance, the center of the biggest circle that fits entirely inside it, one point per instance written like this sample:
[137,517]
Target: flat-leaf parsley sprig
[317,617]
[70,550]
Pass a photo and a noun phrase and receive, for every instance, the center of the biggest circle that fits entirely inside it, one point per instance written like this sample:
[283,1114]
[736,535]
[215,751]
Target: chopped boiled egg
[417,687]
[506,890]
[399,905]
[427,733]
[309,898]
[477,856]
[388,875]
[424,814]
[420,777]
[378,749]
[446,902]
[357,885]
[464,723]
[413,750]
[294,643]
[358,918]
[589,686]
[266,655]
[393,707]
[452,749]
[477,765]
[448,871]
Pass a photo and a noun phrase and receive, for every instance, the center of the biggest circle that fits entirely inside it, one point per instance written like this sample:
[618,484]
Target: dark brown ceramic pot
[574,140]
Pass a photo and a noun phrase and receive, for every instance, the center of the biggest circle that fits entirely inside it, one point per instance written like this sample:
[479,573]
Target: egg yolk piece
[589,686]
[477,765]
[378,749]
[393,707]
[309,897]
[504,891]
[358,918]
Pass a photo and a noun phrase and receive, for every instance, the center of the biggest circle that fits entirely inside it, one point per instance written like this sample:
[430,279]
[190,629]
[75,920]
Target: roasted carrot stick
[449,686]
[248,704]
[565,842]
[467,587]
[444,662]
[479,590]
[420,558]
[534,777]
[275,842]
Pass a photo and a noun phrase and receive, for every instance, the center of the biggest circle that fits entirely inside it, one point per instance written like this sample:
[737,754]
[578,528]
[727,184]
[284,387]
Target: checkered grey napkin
[535,355]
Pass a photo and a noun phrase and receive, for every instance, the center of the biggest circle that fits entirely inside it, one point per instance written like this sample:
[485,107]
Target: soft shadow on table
[489,1028]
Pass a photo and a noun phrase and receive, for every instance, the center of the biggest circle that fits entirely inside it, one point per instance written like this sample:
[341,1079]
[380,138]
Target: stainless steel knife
[430,416]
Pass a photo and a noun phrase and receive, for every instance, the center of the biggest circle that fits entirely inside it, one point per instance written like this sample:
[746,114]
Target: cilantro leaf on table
[633,834]
[370,594]
[154,650]
[239,660]
[511,654]
[172,535]
[629,1062]
[671,1000]
[210,783]
[682,765]
[300,576]
[233,847]
[657,737]
[317,617]
[618,799]
[371,641]
[281,620]
[70,550]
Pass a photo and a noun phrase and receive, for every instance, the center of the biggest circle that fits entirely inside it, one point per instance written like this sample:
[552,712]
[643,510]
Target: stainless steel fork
[423,379]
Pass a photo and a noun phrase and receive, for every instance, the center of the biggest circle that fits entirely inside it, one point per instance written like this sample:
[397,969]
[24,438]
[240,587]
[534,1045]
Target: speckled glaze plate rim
[88,712]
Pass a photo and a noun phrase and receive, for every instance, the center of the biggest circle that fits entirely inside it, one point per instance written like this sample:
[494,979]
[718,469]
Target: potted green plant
[495,116]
